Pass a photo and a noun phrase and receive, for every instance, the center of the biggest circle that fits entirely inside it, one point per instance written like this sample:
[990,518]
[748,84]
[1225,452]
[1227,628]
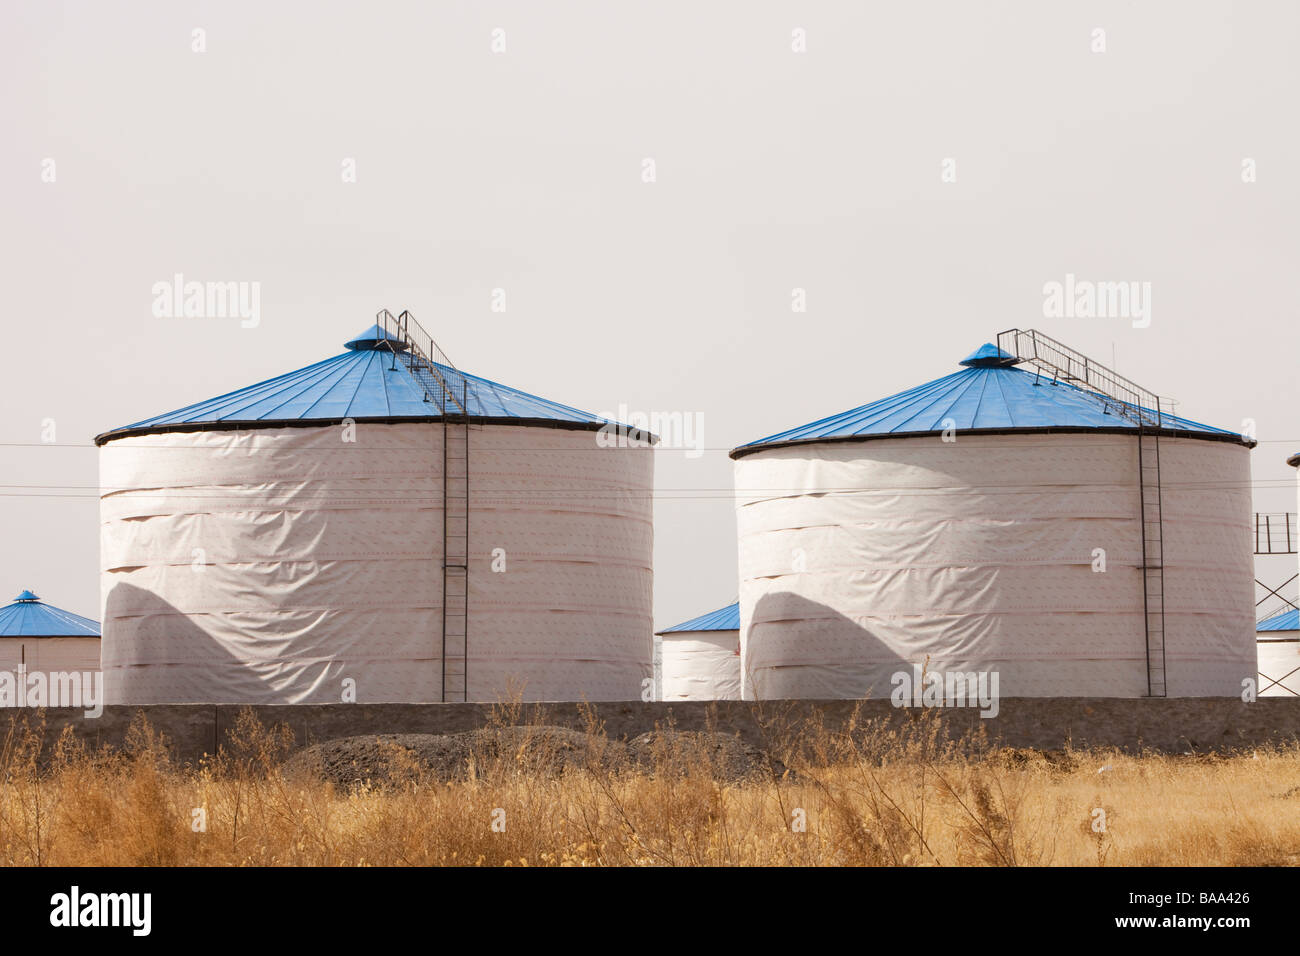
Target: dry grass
[868,796]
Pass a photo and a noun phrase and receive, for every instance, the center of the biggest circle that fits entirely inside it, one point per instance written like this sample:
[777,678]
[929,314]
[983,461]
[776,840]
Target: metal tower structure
[1275,533]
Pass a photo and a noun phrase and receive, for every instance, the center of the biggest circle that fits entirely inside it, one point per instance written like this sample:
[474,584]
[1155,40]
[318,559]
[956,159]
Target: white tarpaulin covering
[49,654]
[859,560]
[270,565]
[701,665]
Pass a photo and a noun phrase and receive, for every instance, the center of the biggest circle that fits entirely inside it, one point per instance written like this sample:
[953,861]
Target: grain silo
[377,526]
[1278,642]
[1032,515]
[701,657]
[36,636]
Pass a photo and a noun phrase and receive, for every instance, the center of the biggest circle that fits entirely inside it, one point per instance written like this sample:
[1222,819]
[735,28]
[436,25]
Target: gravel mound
[385,759]
[388,759]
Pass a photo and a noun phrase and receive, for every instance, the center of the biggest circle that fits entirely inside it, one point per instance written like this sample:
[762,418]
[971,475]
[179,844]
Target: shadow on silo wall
[154,653]
[784,657]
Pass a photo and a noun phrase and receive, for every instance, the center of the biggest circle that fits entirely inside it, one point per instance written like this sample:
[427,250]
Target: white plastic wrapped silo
[700,658]
[989,522]
[304,541]
[36,637]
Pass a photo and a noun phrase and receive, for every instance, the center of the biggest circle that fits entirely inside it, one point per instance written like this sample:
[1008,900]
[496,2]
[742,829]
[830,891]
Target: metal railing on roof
[1116,393]
[429,364]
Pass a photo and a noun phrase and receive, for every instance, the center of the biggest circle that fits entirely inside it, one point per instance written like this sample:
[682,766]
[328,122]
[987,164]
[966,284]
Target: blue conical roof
[989,394]
[1288,620]
[29,616]
[368,381]
[723,619]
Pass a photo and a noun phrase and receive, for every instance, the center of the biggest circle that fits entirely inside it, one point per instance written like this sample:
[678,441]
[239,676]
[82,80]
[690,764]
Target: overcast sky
[782,160]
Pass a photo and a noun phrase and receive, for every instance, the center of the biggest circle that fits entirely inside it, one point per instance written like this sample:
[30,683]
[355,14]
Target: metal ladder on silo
[1124,397]
[1153,559]
[455,555]
[420,359]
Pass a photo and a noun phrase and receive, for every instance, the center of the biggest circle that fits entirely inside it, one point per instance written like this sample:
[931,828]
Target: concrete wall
[1173,725]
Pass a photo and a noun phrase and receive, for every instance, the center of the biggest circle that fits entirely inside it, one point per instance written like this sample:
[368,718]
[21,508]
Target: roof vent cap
[989,355]
[375,338]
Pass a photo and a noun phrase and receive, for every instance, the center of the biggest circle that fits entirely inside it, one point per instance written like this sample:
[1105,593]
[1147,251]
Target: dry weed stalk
[881,792]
